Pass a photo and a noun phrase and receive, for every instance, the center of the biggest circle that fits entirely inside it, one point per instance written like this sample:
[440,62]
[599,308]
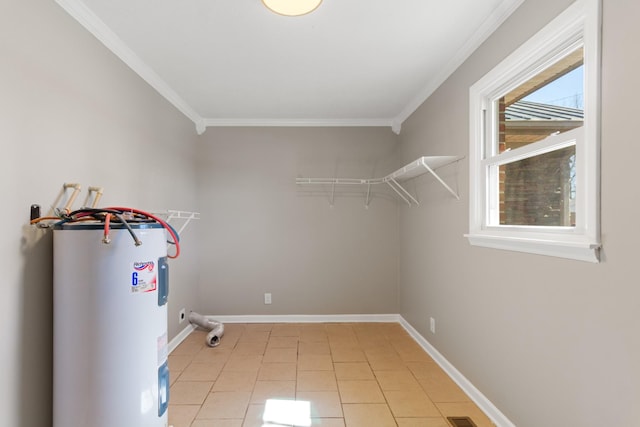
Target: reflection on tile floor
[312,374]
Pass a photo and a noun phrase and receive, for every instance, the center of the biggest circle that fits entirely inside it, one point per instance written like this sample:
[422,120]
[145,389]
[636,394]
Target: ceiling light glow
[292,7]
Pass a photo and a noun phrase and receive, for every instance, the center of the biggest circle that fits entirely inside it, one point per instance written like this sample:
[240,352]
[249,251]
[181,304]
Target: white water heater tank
[110,326]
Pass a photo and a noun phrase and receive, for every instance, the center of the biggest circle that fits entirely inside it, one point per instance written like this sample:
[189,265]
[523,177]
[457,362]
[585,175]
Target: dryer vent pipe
[216,329]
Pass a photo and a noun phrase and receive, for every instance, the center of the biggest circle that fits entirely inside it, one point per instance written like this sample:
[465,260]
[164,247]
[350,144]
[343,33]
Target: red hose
[159,220]
[107,221]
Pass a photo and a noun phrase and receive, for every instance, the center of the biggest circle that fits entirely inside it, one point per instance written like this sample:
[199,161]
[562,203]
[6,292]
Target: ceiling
[349,63]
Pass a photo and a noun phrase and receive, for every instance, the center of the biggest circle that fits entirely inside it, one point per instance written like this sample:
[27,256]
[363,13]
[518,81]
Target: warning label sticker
[143,277]
[163,349]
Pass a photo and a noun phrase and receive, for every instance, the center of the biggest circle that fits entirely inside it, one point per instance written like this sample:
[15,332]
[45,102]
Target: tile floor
[340,374]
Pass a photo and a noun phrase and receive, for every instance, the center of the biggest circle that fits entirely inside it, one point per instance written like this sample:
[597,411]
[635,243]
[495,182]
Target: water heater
[110,326]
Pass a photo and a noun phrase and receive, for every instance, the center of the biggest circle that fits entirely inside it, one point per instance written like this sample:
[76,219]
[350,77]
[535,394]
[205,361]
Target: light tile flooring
[348,374]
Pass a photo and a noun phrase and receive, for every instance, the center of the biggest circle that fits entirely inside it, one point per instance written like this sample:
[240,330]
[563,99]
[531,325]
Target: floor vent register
[461,422]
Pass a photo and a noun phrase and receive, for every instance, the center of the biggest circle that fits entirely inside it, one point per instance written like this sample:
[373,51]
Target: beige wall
[71,111]
[550,342]
[264,234]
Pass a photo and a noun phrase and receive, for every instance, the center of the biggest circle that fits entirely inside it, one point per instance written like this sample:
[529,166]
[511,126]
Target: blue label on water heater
[163,389]
[163,281]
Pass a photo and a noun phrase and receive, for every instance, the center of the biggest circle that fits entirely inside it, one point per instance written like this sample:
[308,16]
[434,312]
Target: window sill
[577,249]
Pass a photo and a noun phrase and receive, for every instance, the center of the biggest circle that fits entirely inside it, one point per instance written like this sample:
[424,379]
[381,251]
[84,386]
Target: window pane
[546,195]
[539,190]
[550,102]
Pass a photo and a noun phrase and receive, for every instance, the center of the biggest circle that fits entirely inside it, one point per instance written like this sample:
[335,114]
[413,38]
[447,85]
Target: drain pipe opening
[216,329]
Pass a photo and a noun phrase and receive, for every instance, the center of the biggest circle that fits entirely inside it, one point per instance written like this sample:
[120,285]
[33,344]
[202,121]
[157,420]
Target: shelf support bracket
[366,203]
[416,168]
[398,193]
[405,192]
[333,192]
[432,172]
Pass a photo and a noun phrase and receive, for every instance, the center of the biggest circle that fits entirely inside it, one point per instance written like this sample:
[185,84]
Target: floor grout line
[397,349]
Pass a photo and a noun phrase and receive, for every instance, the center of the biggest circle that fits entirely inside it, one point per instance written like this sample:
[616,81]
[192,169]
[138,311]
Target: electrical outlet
[432,325]
[267,298]
[182,315]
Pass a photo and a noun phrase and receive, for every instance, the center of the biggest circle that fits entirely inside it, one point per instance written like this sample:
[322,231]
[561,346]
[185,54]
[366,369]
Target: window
[534,131]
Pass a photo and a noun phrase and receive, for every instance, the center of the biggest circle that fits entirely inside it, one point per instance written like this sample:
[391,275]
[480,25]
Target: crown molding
[491,24]
[297,122]
[89,20]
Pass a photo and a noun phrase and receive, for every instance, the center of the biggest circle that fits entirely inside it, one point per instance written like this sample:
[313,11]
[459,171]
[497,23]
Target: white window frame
[578,25]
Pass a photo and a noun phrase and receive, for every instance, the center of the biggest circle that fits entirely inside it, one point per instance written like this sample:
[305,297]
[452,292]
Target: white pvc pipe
[216,328]
[96,199]
[76,190]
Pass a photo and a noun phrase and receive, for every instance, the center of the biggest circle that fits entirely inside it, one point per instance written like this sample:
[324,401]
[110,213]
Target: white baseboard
[307,318]
[494,414]
[498,418]
[182,335]
[293,318]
